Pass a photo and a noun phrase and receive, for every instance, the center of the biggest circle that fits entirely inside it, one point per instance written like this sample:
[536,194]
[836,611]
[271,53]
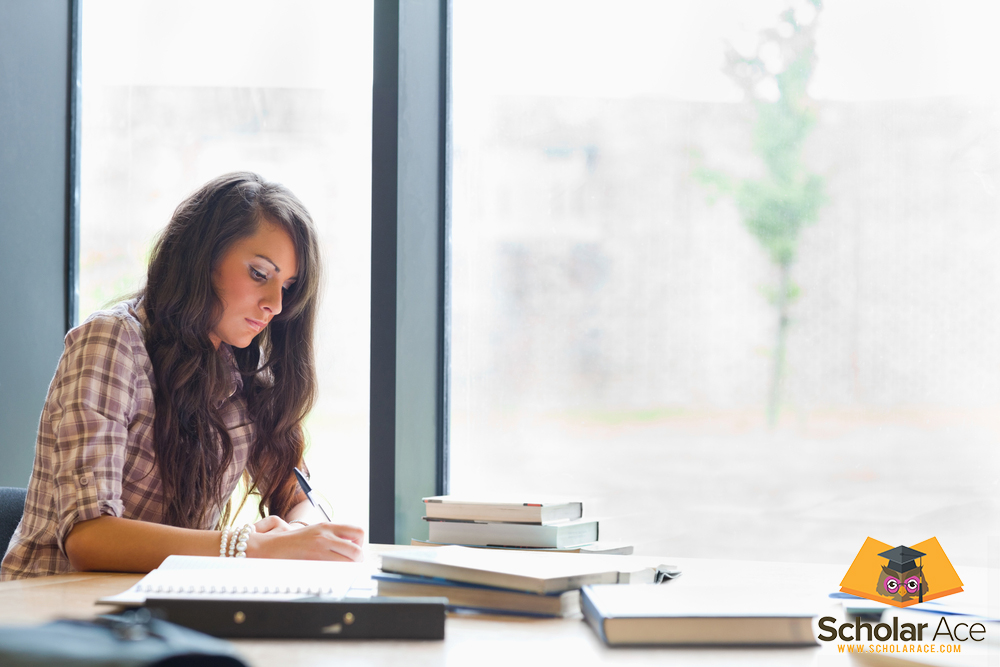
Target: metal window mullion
[408,409]
[74,131]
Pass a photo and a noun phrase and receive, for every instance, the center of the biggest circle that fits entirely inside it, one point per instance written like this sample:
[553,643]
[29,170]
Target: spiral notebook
[203,577]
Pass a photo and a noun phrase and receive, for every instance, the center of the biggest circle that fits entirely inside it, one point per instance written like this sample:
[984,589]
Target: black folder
[311,618]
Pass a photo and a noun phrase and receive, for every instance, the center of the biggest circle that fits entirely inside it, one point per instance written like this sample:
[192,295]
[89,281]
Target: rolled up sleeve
[90,407]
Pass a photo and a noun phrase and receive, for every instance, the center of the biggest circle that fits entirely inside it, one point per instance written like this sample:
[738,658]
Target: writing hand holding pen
[319,541]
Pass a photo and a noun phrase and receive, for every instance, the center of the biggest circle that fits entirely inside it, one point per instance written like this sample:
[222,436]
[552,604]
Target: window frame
[410,228]
[411,143]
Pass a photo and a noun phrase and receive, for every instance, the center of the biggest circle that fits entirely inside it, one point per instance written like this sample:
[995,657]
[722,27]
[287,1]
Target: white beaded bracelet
[243,538]
[232,543]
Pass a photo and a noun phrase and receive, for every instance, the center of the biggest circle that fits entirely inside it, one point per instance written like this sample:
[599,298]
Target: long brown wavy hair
[190,440]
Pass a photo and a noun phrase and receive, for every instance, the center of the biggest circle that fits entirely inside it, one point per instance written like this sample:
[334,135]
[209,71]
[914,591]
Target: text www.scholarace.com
[899,648]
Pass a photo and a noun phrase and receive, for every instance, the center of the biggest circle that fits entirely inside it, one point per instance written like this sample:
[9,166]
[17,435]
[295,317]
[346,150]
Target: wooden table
[471,640]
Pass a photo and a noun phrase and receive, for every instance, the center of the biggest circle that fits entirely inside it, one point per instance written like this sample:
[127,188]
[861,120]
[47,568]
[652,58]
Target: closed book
[592,548]
[487,599]
[365,618]
[539,511]
[536,572]
[663,615]
[482,533]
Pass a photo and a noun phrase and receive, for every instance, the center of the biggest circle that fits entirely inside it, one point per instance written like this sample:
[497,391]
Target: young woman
[160,405]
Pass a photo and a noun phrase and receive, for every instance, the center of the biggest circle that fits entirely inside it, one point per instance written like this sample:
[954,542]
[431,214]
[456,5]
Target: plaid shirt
[94,454]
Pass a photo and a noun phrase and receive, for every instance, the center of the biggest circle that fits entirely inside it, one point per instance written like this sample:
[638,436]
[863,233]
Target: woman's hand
[320,541]
[271,523]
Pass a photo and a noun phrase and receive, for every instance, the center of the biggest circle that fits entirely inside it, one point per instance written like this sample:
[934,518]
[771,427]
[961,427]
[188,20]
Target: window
[615,317]
[176,94]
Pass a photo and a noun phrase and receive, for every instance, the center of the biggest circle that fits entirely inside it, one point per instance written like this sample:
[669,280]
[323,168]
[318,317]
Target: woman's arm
[114,544]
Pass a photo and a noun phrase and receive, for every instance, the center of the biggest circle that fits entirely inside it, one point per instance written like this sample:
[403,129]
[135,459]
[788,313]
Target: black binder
[311,618]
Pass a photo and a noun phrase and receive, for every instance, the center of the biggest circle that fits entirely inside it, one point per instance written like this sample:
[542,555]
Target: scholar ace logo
[901,576]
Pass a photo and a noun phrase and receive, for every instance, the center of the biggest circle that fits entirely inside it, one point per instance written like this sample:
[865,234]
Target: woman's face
[250,280]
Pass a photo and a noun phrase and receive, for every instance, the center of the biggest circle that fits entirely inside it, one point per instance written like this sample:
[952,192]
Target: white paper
[196,577]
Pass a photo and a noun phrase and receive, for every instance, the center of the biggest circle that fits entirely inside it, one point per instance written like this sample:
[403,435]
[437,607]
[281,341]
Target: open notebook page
[244,579]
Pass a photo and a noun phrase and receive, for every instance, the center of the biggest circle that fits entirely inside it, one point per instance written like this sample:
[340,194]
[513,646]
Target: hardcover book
[481,533]
[591,548]
[532,571]
[668,615]
[487,599]
[539,511]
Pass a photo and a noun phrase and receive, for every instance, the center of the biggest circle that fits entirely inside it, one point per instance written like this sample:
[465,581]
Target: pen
[306,489]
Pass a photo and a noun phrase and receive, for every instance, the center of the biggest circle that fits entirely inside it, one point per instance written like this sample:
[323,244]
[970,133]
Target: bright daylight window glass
[177,93]
[630,230]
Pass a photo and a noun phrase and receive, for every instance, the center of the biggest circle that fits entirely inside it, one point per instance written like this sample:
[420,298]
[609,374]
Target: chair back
[11,510]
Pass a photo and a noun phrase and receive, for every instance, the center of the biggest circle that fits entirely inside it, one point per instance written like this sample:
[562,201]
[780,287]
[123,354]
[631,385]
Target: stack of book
[535,525]
[508,581]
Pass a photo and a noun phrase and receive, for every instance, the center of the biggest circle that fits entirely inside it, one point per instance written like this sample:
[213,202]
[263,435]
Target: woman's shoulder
[118,326]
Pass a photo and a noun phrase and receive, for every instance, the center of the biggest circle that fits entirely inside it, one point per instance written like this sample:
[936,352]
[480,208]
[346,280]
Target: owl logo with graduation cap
[901,576]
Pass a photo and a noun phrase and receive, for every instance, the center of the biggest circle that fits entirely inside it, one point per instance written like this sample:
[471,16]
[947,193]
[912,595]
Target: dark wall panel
[34,62]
